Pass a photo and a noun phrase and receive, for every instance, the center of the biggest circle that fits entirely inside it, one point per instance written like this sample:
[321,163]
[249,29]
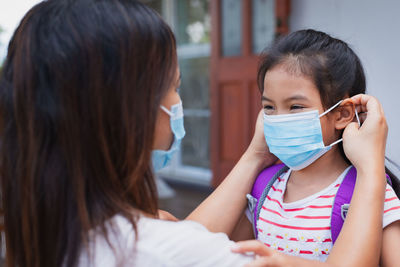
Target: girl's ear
[344,114]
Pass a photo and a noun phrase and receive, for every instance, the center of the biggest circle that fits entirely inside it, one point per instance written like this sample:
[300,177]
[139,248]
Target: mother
[86,96]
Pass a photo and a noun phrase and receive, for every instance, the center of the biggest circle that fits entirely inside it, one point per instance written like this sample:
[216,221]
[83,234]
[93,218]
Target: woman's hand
[266,257]
[258,148]
[365,146]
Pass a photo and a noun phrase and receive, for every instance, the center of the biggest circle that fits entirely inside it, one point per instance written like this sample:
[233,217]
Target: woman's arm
[359,242]
[243,230]
[360,239]
[221,211]
[390,256]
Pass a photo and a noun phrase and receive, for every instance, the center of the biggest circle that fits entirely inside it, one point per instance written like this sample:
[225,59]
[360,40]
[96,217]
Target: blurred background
[218,46]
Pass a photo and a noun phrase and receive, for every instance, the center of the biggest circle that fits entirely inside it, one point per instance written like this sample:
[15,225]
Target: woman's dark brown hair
[79,96]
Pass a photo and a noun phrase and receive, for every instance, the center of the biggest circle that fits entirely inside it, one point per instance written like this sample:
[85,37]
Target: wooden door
[235,99]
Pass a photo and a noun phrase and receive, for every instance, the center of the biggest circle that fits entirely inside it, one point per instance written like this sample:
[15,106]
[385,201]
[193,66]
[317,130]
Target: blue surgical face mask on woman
[161,158]
[296,139]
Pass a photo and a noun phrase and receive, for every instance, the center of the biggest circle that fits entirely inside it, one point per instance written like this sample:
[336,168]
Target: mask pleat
[296,139]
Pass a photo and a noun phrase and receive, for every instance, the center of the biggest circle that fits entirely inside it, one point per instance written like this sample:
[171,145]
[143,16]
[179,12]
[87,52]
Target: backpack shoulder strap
[343,197]
[263,178]
[261,188]
[342,201]
[389,180]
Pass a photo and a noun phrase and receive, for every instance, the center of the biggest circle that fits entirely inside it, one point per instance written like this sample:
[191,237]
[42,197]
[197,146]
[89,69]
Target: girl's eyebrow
[264,98]
[296,97]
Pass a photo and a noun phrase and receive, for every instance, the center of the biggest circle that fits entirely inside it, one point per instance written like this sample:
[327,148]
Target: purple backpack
[341,203]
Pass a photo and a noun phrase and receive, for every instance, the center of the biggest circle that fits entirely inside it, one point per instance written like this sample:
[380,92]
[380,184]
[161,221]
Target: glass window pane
[193,22]
[195,96]
[195,82]
[192,28]
[263,24]
[231,28]
[190,20]
[195,148]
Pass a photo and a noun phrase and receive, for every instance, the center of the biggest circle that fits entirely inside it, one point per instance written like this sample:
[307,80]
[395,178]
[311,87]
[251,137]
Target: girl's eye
[296,107]
[268,109]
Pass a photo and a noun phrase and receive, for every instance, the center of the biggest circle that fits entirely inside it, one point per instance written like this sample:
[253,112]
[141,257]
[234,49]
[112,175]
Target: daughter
[306,79]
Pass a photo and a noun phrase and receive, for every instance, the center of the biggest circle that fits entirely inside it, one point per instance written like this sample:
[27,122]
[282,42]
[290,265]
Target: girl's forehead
[280,83]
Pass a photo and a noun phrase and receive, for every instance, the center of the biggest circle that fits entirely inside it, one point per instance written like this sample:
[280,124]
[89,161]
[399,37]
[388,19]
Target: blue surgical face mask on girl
[161,158]
[296,139]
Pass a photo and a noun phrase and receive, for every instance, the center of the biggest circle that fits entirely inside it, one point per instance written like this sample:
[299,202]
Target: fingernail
[235,247]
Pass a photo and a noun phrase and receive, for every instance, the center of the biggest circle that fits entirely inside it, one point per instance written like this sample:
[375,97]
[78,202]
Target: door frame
[244,71]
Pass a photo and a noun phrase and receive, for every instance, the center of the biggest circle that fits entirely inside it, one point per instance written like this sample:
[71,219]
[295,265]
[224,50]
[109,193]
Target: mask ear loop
[336,142]
[358,119]
[330,109]
[167,111]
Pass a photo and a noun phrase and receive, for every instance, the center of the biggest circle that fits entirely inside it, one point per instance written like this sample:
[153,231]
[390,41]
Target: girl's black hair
[335,69]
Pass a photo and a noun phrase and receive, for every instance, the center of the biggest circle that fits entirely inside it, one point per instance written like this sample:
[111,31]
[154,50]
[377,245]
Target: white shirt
[161,243]
[302,228]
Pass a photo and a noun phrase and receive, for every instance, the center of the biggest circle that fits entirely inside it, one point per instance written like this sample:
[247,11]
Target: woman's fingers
[366,144]
[363,99]
[261,262]
[367,102]
[370,111]
[362,116]
[264,255]
[361,109]
[254,246]
[258,146]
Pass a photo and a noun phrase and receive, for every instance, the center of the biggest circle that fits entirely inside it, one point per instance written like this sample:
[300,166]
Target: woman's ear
[344,114]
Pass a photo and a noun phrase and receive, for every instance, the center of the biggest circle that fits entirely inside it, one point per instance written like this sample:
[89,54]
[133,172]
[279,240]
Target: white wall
[11,13]
[372,28]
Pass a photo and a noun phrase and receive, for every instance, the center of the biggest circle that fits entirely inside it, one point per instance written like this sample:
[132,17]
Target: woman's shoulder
[150,225]
[188,243]
[125,245]
[176,238]
[152,231]
[167,243]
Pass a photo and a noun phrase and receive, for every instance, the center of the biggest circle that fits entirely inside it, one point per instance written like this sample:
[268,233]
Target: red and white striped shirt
[302,228]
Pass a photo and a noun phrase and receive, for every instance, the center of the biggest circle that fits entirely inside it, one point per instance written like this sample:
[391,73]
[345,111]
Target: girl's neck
[322,172]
